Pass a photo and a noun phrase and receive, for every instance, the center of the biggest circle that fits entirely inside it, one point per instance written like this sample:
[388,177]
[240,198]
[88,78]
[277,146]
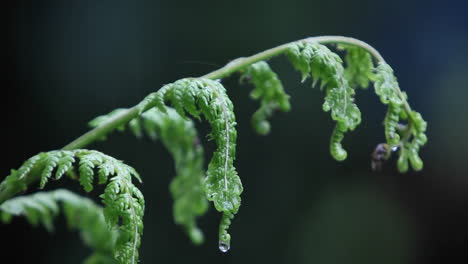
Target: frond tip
[269,90]
[317,61]
[408,138]
[124,202]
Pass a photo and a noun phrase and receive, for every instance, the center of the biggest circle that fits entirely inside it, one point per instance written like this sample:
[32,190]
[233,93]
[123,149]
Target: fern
[124,202]
[408,138]
[206,98]
[180,138]
[317,61]
[268,89]
[359,69]
[82,214]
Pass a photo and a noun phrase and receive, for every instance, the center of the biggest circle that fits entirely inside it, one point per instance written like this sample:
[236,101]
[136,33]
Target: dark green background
[69,61]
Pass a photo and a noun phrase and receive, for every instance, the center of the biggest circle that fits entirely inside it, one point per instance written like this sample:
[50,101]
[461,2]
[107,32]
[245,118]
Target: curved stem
[240,63]
[102,130]
[349,41]
[235,65]
[225,71]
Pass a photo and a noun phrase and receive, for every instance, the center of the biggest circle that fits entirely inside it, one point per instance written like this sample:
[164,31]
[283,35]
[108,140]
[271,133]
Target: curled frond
[409,137]
[224,237]
[180,137]
[336,149]
[199,96]
[124,202]
[269,90]
[82,214]
[391,125]
[317,61]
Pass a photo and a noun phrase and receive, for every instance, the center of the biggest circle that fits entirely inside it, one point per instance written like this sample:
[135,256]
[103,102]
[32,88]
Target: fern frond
[412,136]
[317,61]
[180,137]
[65,164]
[386,86]
[359,69]
[49,162]
[207,97]
[124,207]
[336,149]
[391,122]
[269,90]
[203,97]
[27,166]
[124,202]
[82,214]
[88,160]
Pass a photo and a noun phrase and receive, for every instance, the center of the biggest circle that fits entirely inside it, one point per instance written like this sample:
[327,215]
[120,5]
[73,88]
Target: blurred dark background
[66,62]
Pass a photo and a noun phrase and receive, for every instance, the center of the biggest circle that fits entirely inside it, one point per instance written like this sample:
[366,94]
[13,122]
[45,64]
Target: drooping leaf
[124,203]
[269,90]
[359,69]
[317,61]
[209,98]
[410,135]
[180,137]
[81,213]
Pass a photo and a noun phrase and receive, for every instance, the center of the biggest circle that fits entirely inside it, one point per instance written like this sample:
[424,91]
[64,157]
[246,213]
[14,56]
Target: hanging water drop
[224,246]
[394,148]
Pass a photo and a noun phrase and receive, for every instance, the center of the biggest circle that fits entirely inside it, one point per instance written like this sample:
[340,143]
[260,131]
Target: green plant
[205,97]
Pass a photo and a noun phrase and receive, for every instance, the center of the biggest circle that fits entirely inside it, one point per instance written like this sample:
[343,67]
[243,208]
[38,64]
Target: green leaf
[65,163]
[180,137]
[222,184]
[386,85]
[124,202]
[336,149]
[408,137]
[28,165]
[317,61]
[49,162]
[81,213]
[359,69]
[391,125]
[269,90]
[88,160]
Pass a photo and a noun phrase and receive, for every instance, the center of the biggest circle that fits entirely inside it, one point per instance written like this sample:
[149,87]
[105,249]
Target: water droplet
[394,148]
[224,246]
